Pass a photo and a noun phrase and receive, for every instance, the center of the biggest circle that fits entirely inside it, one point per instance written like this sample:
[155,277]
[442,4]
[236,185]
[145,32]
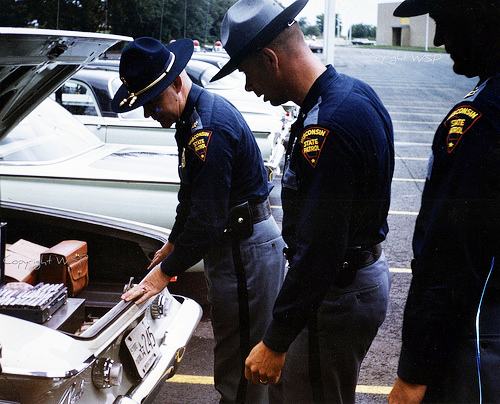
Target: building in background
[395,31]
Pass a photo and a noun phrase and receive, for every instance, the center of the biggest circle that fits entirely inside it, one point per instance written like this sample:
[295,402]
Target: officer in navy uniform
[223,216]
[451,327]
[336,194]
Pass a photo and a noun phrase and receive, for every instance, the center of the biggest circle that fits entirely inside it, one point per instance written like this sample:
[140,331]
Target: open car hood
[35,62]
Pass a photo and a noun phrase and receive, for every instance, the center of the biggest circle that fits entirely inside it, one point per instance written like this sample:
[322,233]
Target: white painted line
[412,158]
[408,179]
[397,143]
[401,212]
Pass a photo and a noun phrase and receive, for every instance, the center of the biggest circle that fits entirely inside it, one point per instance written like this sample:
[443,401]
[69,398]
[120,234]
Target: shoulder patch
[199,143]
[311,141]
[459,122]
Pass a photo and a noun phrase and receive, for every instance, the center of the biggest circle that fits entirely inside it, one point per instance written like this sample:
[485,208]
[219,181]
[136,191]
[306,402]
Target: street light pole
[57,20]
[329,32]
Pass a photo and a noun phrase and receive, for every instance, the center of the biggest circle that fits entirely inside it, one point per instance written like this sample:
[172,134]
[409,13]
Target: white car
[128,350]
[88,95]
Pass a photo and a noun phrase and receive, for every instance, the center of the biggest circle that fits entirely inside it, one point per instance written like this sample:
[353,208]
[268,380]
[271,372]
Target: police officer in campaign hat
[335,194]
[223,216]
[451,327]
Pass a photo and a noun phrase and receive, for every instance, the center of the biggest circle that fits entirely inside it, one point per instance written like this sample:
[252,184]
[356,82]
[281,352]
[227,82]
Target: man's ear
[177,83]
[270,58]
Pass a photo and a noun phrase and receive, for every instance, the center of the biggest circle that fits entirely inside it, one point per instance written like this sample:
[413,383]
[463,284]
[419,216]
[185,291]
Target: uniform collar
[317,88]
[192,99]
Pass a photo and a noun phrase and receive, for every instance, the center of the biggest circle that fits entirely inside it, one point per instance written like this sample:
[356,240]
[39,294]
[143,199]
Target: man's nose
[248,87]
[147,111]
[438,36]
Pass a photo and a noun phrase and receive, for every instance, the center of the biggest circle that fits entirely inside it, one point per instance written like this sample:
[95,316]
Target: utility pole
[161,21]
[185,16]
[329,32]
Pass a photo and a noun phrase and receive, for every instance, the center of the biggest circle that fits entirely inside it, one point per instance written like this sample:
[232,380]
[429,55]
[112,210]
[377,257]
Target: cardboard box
[22,260]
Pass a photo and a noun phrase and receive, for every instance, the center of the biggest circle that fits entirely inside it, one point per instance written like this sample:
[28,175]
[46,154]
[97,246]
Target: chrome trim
[127,181]
[50,375]
[147,389]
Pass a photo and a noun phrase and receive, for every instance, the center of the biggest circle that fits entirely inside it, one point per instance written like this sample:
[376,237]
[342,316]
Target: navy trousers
[262,256]
[322,364]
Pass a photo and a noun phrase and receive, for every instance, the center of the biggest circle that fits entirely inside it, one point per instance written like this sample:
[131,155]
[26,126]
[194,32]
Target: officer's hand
[161,254]
[406,393]
[263,365]
[153,284]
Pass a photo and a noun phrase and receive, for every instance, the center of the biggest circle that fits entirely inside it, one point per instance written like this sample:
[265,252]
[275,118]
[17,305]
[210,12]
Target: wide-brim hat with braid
[147,67]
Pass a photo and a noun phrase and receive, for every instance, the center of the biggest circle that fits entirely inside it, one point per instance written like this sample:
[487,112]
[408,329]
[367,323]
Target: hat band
[132,97]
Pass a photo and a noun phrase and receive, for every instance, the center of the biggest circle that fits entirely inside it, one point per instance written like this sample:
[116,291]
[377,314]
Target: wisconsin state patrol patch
[312,140]
[199,143]
[459,122]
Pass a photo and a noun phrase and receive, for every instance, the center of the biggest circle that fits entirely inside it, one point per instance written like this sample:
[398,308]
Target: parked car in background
[315,45]
[217,59]
[88,95]
[363,41]
[50,159]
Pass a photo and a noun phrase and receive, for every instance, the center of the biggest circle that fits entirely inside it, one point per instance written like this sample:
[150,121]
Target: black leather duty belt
[356,258]
[361,257]
[260,211]
[242,217]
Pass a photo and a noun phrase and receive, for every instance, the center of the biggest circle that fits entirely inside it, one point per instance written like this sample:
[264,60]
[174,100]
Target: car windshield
[135,114]
[234,80]
[48,133]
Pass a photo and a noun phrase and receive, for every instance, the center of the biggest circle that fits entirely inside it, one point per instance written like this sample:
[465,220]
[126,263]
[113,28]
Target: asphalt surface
[418,89]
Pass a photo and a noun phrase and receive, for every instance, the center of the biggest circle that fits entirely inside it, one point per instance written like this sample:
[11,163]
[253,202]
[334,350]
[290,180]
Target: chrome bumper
[172,349]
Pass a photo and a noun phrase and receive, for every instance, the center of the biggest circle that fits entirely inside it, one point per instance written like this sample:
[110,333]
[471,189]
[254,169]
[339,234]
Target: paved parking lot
[418,89]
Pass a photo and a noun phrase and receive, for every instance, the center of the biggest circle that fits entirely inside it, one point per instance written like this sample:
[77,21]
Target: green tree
[170,19]
[363,31]
[320,22]
[13,14]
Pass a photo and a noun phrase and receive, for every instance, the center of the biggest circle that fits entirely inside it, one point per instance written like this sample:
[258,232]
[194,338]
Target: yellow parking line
[373,389]
[189,379]
[400,270]
[192,379]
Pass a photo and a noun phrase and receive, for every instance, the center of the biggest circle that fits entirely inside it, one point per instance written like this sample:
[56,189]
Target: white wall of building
[396,31]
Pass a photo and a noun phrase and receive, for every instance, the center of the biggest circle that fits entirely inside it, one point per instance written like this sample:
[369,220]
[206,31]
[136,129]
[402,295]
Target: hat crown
[244,20]
[142,62]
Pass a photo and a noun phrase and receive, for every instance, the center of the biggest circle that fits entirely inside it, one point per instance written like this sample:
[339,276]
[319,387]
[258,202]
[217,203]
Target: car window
[135,114]
[77,98]
[48,133]
[234,80]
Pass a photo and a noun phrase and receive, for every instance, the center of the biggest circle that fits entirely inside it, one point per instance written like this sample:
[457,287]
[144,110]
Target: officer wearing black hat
[336,193]
[223,216]
[451,328]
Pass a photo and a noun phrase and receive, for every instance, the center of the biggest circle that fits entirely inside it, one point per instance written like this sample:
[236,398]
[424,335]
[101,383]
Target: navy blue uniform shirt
[220,166]
[457,234]
[336,193]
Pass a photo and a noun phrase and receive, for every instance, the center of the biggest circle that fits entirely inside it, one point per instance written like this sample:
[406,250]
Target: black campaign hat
[249,25]
[147,67]
[412,8]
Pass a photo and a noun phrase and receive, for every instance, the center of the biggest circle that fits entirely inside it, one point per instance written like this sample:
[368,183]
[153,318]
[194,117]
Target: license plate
[141,344]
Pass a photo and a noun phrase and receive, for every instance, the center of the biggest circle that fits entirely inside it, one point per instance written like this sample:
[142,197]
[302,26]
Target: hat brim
[183,50]
[262,38]
[411,8]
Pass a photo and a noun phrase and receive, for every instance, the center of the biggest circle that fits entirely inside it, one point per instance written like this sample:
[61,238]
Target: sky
[350,11]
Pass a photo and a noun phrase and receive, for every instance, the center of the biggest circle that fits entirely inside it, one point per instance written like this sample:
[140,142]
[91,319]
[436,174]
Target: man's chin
[465,68]
[466,71]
